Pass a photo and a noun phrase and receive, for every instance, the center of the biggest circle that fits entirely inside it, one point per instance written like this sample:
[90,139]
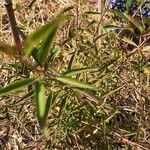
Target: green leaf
[121,15]
[43,50]
[40,101]
[55,52]
[43,104]
[128,5]
[129,41]
[75,83]
[79,70]
[49,103]
[43,37]
[113,27]
[136,23]
[15,86]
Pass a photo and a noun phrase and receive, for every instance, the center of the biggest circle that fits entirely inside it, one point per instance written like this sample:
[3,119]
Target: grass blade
[72,60]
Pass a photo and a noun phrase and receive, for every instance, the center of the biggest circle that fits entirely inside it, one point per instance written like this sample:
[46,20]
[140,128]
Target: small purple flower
[121,5]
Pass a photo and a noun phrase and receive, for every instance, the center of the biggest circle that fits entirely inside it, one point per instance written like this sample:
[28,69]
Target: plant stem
[100,10]
[10,12]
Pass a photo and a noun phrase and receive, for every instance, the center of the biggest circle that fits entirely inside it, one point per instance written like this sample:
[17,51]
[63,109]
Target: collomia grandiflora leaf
[40,102]
[75,83]
[15,86]
[43,105]
[43,38]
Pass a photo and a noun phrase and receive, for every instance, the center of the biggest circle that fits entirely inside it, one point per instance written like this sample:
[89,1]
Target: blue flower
[121,5]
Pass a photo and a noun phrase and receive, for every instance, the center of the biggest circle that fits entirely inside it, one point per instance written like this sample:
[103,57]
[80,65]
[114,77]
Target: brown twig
[10,12]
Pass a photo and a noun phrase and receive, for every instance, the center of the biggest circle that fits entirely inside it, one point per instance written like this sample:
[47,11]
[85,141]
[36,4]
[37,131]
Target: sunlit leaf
[113,27]
[110,117]
[43,104]
[75,83]
[55,52]
[129,41]
[121,15]
[40,100]
[15,86]
[49,103]
[43,36]
[136,23]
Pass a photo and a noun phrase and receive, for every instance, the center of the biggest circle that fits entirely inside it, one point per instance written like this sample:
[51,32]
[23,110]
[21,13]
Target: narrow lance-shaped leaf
[135,22]
[40,33]
[15,86]
[49,103]
[45,36]
[75,83]
[113,27]
[40,101]
[121,15]
[55,52]
[43,104]
[43,50]
[129,41]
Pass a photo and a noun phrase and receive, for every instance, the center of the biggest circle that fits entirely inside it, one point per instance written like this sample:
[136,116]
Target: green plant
[85,96]
[132,30]
[39,54]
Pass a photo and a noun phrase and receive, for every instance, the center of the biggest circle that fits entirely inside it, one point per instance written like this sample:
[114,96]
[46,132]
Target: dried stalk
[17,42]
[78,14]
[10,12]
[100,10]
